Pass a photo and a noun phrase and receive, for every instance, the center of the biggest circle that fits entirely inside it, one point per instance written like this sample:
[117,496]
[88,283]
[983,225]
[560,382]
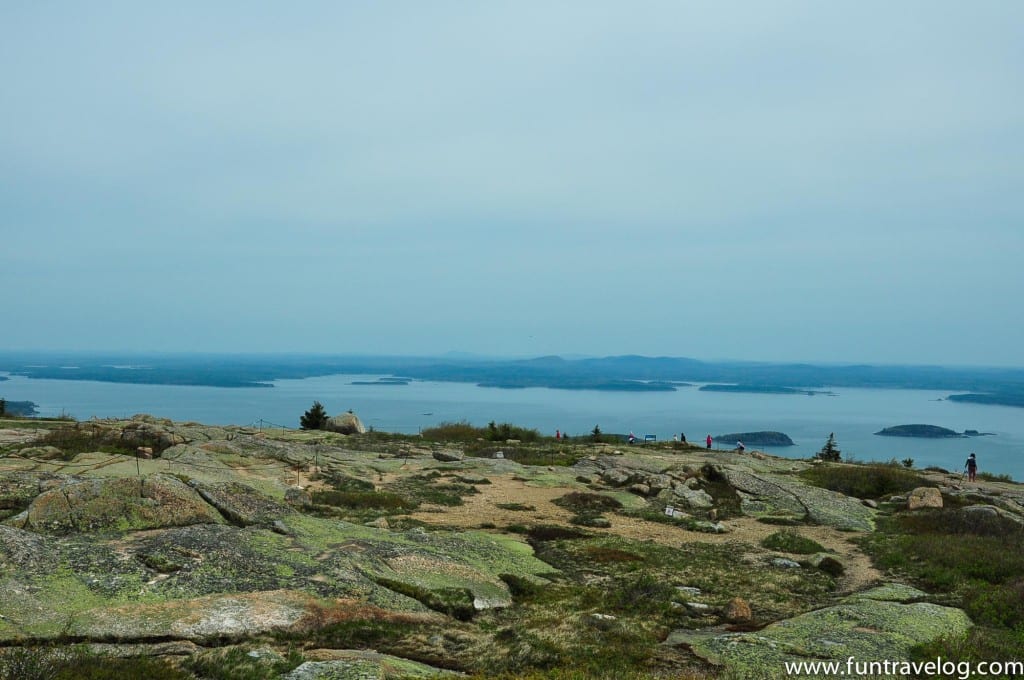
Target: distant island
[927,432]
[625,373]
[1009,398]
[382,381]
[762,438]
[760,389]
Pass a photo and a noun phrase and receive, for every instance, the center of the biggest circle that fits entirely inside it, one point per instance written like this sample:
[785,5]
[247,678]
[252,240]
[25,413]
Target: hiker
[682,437]
[971,467]
[740,447]
[675,437]
[558,435]
[709,442]
[632,437]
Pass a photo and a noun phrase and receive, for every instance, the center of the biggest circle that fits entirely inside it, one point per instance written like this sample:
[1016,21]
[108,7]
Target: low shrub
[362,499]
[864,481]
[236,663]
[582,502]
[455,602]
[791,542]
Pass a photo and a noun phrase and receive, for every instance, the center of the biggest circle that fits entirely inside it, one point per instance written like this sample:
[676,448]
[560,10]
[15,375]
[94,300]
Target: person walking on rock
[709,441]
[971,467]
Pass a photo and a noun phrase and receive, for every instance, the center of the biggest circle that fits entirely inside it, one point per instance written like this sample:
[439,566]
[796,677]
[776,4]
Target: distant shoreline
[1004,387]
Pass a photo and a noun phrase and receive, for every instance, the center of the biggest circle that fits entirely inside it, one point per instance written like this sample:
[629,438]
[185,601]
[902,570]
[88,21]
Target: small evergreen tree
[596,433]
[3,406]
[830,451]
[315,418]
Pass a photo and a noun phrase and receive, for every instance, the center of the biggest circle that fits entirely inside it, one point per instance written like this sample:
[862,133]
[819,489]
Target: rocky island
[151,548]
[760,438]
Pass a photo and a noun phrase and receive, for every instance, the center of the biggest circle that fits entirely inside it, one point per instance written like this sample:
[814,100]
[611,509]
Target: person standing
[682,437]
[971,467]
[709,441]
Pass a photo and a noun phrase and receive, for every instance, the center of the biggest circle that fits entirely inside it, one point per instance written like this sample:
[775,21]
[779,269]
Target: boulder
[826,563]
[924,497]
[297,497]
[695,499]
[449,456]
[737,611]
[345,423]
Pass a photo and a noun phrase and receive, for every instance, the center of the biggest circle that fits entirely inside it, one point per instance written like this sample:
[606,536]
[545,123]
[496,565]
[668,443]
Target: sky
[776,181]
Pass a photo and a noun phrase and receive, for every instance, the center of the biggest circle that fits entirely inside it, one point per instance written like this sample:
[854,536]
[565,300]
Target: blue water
[852,414]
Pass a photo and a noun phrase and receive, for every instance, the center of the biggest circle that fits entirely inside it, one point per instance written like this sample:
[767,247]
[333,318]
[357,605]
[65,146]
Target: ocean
[853,414]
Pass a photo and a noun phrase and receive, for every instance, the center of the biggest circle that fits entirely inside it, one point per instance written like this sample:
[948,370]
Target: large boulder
[924,497]
[345,423]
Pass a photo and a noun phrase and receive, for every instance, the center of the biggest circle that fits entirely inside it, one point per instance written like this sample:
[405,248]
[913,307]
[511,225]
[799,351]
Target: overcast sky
[810,181]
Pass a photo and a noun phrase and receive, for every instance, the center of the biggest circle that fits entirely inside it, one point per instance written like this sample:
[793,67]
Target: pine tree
[596,433]
[3,407]
[830,451]
[315,418]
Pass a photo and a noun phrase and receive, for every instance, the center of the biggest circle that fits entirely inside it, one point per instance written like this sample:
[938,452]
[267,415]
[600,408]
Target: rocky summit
[200,551]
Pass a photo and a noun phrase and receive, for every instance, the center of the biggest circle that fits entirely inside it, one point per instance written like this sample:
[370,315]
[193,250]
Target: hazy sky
[819,181]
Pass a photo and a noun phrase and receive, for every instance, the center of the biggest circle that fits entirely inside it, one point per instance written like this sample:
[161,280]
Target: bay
[853,414]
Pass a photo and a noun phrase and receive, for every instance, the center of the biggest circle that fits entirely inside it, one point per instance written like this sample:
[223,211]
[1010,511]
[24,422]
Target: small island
[762,438]
[759,389]
[920,431]
[382,381]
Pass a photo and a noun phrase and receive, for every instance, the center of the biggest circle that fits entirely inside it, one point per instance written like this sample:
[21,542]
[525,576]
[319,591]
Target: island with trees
[927,432]
[761,438]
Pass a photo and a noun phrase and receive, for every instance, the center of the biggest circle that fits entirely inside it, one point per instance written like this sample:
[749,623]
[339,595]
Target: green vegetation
[315,418]
[864,481]
[77,663]
[463,431]
[976,557]
[242,663]
[791,542]
[74,440]
[830,451]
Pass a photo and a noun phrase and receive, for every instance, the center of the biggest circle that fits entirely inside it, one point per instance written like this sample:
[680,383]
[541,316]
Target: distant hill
[762,438]
[922,431]
[622,373]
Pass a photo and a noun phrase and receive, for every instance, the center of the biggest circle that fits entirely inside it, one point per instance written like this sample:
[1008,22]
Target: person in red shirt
[709,441]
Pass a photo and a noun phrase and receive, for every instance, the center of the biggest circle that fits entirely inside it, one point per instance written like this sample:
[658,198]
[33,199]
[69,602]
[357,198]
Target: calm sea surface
[853,414]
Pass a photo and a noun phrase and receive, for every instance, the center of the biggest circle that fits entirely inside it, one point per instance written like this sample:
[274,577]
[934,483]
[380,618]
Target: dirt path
[482,509]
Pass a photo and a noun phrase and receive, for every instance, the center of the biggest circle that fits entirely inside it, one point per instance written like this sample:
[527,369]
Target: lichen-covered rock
[924,497]
[240,504]
[861,627]
[205,618]
[361,665]
[773,494]
[119,504]
[695,499]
